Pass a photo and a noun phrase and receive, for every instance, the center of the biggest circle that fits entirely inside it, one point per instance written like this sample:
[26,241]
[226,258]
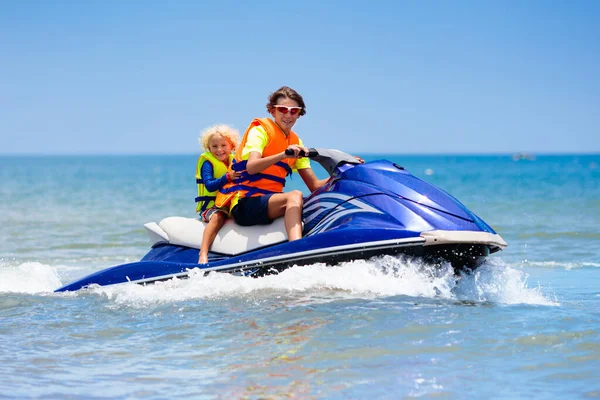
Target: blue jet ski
[364,210]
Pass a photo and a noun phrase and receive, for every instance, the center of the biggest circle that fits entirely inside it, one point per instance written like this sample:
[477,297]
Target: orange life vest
[269,180]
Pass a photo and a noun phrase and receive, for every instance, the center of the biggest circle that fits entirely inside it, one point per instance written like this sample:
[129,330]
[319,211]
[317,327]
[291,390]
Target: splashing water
[379,277]
[29,277]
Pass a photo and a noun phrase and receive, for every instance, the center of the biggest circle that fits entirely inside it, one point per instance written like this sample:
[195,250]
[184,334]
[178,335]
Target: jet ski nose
[403,184]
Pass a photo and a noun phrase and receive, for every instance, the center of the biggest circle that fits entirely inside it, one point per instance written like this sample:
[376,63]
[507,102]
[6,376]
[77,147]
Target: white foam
[377,278]
[28,277]
[497,283]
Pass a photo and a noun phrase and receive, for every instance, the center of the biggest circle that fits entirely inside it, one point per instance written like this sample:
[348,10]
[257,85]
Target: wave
[560,235]
[567,265]
[380,277]
[28,277]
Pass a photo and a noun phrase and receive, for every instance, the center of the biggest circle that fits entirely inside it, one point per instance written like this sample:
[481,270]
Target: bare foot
[203,259]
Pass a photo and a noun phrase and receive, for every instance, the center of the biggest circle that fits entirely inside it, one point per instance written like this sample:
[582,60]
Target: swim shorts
[251,211]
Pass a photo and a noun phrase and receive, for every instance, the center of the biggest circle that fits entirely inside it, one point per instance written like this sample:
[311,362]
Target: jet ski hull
[167,261]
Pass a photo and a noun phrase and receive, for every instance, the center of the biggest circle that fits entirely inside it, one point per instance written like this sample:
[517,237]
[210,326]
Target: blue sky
[418,77]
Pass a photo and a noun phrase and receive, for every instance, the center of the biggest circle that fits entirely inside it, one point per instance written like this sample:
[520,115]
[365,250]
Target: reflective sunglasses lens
[294,111]
[282,110]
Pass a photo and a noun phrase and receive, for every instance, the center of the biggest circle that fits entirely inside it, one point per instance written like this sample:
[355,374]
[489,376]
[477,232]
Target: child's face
[285,121]
[220,148]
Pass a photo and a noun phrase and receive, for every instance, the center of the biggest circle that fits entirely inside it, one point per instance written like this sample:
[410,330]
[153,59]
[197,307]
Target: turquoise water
[527,325]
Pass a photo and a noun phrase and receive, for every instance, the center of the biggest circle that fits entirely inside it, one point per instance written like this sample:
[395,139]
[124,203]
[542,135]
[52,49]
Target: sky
[404,77]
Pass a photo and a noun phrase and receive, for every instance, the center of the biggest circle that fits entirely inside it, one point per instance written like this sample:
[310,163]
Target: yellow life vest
[206,199]
[269,180]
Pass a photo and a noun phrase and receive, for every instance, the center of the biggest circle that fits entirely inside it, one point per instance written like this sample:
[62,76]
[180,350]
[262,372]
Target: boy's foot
[202,259]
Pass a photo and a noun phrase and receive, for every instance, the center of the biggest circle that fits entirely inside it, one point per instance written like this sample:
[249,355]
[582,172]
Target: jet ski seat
[231,239]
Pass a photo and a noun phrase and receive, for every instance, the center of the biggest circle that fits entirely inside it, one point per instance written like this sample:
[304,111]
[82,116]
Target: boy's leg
[210,232]
[289,205]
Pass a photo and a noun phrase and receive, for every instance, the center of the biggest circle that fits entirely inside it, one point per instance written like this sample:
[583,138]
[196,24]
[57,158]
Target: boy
[219,141]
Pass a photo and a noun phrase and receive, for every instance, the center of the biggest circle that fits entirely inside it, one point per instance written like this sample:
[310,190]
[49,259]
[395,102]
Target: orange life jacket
[269,180]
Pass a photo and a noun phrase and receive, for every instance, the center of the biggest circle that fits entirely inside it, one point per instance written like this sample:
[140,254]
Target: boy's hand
[233,175]
[296,149]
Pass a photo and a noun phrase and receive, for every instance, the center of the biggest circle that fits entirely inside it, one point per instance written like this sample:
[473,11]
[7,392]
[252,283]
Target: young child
[211,174]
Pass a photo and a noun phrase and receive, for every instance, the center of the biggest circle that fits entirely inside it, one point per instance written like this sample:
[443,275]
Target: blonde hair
[229,133]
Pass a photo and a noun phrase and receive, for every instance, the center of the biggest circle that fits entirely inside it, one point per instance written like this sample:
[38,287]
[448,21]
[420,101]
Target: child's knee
[296,198]
[220,218]
[217,219]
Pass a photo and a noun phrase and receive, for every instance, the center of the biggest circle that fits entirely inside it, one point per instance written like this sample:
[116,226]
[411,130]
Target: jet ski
[364,210]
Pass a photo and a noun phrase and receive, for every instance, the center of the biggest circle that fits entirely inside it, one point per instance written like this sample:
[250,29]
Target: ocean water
[525,325]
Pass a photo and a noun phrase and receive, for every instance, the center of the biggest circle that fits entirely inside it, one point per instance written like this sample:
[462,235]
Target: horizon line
[126,154]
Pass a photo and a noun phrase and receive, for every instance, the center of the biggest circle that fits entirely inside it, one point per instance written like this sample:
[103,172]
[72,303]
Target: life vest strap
[205,198]
[286,167]
[205,201]
[246,177]
[241,165]
[199,181]
[249,189]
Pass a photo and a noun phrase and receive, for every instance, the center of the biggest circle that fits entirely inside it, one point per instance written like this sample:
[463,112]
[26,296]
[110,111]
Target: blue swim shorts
[251,211]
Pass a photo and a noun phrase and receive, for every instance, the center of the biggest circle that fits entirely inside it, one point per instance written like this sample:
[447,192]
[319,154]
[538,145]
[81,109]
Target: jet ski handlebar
[330,159]
[311,153]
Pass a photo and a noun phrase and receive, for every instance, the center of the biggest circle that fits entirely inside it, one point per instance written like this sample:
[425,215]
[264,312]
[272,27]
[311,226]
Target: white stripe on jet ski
[342,197]
[347,205]
[335,215]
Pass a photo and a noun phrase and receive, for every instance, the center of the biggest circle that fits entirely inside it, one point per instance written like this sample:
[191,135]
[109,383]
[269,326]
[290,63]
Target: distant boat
[523,156]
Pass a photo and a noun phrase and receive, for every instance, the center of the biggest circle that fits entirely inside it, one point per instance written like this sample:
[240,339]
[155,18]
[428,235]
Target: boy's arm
[257,163]
[208,176]
[310,179]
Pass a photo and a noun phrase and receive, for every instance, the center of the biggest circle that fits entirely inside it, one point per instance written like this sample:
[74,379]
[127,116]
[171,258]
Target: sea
[525,325]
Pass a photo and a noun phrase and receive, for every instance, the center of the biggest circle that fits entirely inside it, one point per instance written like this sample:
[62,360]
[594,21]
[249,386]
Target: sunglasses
[285,109]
